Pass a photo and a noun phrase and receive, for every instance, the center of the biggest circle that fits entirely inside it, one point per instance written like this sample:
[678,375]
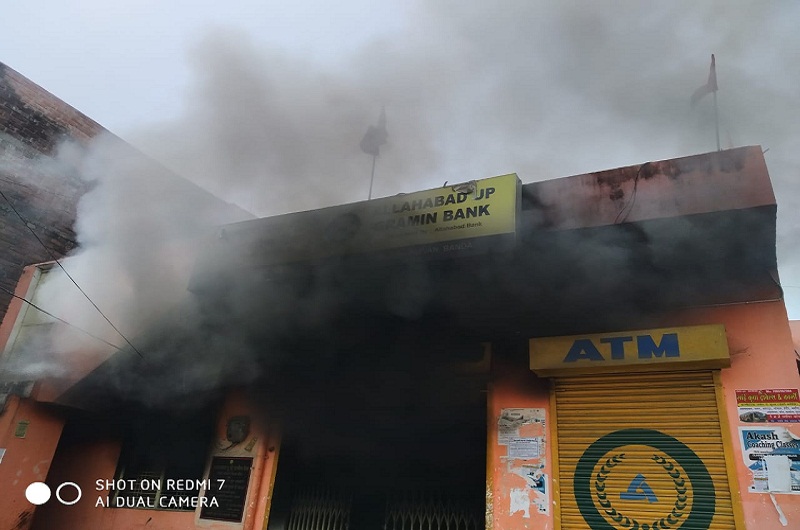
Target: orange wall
[794,326]
[237,405]
[507,489]
[26,459]
[29,459]
[732,179]
[262,497]
[762,357]
[75,365]
[15,306]
[87,462]
[82,464]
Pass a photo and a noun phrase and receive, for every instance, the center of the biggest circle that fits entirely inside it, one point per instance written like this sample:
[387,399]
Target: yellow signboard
[474,209]
[466,218]
[683,348]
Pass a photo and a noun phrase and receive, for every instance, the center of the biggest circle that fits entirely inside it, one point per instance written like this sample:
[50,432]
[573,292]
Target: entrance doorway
[392,459]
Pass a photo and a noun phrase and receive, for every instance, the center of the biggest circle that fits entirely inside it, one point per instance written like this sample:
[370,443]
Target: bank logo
[643,478]
[639,490]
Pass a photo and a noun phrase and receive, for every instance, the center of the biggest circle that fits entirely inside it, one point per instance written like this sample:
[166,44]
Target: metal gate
[319,508]
[420,511]
[641,451]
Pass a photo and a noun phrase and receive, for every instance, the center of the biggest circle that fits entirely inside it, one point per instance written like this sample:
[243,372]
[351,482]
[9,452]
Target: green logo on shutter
[677,470]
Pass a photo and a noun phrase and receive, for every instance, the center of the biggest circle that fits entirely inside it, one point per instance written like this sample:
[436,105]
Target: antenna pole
[716,118]
[372,176]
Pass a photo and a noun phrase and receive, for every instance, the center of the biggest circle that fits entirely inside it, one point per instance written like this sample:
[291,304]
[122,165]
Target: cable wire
[51,315]
[629,206]
[53,257]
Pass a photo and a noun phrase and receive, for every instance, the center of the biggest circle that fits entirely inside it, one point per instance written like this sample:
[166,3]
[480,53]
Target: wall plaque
[229,477]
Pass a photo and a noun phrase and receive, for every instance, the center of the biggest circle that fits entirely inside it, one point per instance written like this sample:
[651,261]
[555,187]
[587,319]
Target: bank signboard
[475,209]
[467,218]
[680,348]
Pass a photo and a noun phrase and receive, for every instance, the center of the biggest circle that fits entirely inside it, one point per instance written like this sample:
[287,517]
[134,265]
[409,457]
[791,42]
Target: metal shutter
[641,451]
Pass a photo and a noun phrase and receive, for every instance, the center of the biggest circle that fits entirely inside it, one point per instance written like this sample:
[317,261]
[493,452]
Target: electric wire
[51,315]
[629,206]
[53,257]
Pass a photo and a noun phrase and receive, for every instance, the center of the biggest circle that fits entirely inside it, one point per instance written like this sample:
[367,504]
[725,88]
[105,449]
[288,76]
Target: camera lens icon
[39,493]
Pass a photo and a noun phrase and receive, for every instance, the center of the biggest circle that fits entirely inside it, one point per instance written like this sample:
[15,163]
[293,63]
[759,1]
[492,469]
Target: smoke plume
[472,91]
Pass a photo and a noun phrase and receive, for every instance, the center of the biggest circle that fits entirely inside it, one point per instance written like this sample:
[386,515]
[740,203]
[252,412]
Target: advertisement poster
[522,432]
[773,456]
[519,424]
[773,405]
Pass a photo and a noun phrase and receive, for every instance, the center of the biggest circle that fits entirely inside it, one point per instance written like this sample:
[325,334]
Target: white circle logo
[38,493]
[68,503]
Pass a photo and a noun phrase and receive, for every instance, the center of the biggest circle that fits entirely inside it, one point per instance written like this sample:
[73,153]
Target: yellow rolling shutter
[641,451]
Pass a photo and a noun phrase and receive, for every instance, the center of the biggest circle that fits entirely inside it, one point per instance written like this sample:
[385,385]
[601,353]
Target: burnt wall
[38,118]
[33,123]
[44,189]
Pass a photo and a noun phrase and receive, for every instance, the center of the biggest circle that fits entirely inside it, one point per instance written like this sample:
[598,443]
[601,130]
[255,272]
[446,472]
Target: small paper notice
[779,478]
[523,448]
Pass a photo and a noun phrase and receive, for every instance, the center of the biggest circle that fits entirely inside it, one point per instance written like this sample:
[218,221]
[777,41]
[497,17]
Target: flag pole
[710,86]
[716,118]
[371,144]
[372,176]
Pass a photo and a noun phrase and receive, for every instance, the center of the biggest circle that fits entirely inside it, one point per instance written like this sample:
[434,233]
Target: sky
[264,103]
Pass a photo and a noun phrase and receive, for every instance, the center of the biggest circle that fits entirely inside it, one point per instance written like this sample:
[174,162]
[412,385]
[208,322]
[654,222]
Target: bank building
[608,350]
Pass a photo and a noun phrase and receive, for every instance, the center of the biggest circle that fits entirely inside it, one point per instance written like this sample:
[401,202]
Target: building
[44,146]
[33,123]
[608,350]
[45,189]
[43,142]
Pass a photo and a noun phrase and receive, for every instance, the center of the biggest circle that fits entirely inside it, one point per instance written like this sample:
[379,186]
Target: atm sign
[684,348]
